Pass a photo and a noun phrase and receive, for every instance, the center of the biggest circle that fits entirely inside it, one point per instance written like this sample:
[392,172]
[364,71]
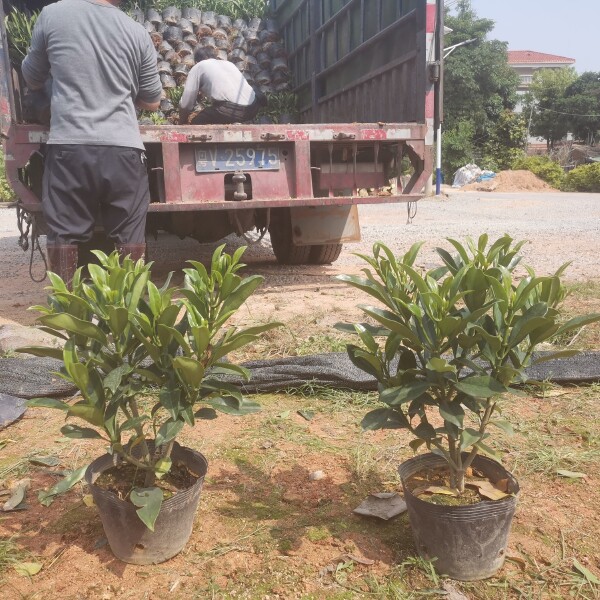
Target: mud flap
[315,225]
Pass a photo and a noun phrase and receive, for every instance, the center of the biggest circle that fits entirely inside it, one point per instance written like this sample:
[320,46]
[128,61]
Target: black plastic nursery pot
[129,539]
[468,542]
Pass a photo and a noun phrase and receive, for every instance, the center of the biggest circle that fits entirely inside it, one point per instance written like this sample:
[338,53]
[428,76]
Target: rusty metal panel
[368,58]
[325,225]
[7,109]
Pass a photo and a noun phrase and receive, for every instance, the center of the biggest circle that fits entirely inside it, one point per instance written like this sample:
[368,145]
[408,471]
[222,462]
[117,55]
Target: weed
[11,553]
[317,534]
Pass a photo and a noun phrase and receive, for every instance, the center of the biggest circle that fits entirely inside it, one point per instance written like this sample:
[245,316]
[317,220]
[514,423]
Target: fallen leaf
[45,461]
[285,414]
[553,393]
[517,559]
[306,414]
[586,572]
[435,489]
[27,569]
[88,500]
[571,474]
[360,560]
[502,485]
[18,495]
[488,490]
[452,593]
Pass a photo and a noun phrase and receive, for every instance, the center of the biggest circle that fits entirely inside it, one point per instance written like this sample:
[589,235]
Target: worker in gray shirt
[103,65]
[232,98]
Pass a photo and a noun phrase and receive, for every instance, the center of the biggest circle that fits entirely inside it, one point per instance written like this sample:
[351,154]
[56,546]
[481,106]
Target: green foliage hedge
[6,192]
[585,178]
[544,167]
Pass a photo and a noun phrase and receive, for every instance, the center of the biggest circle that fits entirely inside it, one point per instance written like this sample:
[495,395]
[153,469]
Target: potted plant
[454,342]
[122,334]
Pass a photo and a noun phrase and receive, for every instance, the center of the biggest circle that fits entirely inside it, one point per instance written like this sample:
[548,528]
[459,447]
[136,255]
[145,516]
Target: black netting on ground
[33,377]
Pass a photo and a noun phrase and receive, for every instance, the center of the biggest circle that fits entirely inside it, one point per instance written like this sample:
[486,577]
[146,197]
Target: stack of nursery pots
[448,347]
[253,45]
[122,335]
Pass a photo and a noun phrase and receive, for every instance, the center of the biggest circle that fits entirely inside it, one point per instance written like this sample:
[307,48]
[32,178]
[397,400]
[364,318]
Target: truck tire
[325,254]
[282,240]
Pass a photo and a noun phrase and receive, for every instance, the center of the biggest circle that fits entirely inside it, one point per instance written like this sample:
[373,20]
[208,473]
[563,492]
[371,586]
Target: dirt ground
[264,529]
[511,181]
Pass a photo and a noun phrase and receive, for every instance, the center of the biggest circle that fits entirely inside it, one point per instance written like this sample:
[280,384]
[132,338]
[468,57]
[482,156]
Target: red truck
[366,103]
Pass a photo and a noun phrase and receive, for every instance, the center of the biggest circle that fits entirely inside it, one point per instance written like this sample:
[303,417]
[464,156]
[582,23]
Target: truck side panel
[357,60]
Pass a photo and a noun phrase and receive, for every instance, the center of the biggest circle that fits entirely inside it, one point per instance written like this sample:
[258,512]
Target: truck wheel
[282,241]
[325,254]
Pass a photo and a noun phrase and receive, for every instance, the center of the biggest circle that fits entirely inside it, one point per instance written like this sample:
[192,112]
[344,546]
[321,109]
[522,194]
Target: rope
[27,223]
[411,211]
[263,230]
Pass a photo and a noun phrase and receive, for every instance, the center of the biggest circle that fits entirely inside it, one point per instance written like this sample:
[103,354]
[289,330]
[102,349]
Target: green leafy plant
[585,178]
[174,95]
[19,29]
[122,334]
[450,343]
[279,103]
[154,117]
[6,192]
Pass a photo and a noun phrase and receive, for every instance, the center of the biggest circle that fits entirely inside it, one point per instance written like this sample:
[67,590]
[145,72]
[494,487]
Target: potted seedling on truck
[122,335]
[447,348]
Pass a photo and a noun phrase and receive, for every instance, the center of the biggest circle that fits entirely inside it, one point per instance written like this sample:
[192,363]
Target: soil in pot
[433,485]
[120,480]
[128,537]
[466,541]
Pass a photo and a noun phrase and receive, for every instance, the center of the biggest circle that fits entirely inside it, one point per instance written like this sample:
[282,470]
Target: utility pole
[439,114]
[439,93]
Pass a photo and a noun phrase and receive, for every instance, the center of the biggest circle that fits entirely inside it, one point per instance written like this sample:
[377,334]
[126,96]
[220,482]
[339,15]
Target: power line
[558,112]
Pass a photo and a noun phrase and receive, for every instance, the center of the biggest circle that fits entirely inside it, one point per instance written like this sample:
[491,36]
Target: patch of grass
[584,297]
[11,553]
[564,433]
[317,534]
[321,344]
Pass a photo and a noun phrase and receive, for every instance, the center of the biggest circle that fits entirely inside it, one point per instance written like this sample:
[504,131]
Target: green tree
[544,104]
[582,106]
[506,142]
[479,85]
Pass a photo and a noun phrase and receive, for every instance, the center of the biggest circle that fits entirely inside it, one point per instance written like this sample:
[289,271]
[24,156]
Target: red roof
[519,57]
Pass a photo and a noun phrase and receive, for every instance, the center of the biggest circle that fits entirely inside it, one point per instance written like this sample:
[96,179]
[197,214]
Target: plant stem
[139,430]
[487,415]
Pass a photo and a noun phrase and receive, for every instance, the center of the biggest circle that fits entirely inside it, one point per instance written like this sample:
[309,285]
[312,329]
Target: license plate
[211,159]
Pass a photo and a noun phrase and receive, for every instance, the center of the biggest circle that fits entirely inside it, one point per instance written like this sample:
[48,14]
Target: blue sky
[564,27]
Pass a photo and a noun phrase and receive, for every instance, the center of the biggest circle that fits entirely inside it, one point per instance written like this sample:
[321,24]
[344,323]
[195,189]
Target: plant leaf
[168,431]
[74,325]
[148,502]
[571,474]
[17,496]
[80,433]
[27,569]
[190,370]
[586,572]
[48,403]
[383,418]
[46,497]
[406,393]
[480,387]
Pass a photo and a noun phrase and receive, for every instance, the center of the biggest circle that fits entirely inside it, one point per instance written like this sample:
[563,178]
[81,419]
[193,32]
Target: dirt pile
[510,181]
